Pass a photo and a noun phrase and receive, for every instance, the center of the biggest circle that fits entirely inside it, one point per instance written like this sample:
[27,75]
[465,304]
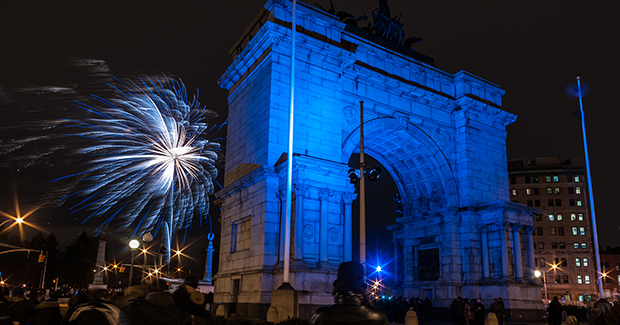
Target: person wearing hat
[20,309]
[157,308]
[351,301]
[182,298]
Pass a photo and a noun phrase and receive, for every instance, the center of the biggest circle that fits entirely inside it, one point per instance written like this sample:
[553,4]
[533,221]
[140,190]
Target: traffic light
[41,258]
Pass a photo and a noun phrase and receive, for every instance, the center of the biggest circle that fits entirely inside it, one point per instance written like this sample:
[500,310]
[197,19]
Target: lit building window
[580,281]
[577,261]
[576,178]
[556,190]
[535,179]
[575,232]
[580,217]
[573,217]
[559,217]
[548,179]
[577,190]
[619,279]
[556,179]
[581,298]
[528,191]
[551,217]
[582,231]
[584,246]
[579,202]
[514,192]
[549,190]
[585,262]
[575,245]
[587,279]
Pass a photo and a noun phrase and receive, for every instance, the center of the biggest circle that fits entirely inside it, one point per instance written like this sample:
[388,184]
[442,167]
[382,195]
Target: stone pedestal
[98,277]
[286,301]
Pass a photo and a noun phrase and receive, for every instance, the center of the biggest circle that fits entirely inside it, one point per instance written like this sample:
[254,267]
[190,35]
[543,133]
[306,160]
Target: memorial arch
[441,136]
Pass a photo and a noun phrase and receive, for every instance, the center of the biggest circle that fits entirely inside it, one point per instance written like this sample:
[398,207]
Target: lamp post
[133,244]
[146,238]
[537,273]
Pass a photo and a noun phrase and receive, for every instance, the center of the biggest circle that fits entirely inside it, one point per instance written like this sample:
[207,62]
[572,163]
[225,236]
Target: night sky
[533,49]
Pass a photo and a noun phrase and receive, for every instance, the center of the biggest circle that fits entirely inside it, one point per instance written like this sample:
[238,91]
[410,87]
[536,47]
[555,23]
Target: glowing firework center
[440,136]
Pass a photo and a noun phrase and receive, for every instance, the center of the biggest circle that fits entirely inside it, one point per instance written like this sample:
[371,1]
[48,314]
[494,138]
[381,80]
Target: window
[536,191]
[619,279]
[535,179]
[556,179]
[588,298]
[571,190]
[575,232]
[580,217]
[513,180]
[607,280]
[558,202]
[514,192]
[571,202]
[556,190]
[606,265]
[587,279]
[579,202]
[551,217]
[577,261]
[580,281]
[617,266]
[585,262]
[576,245]
[584,246]
[240,235]
[577,190]
[554,245]
[550,202]
[552,231]
[559,217]
[537,203]
[549,190]
[576,178]
[538,217]
[562,245]
[528,191]
[566,296]
[580,296]
[539,231]
[560,231]
[582,231]
[528,179]
[530,203]
[573,217]
[541,262]
[541,245]
[565,280]
[548,179]
[558,279]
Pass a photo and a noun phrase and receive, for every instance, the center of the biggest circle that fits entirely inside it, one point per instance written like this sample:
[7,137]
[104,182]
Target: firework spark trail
[150,163]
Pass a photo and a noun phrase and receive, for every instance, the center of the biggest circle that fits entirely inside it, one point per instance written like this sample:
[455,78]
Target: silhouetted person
[47,312]
[555,312]
[182,298]
[478,312]
[156,308]
[351,303]
[20,309]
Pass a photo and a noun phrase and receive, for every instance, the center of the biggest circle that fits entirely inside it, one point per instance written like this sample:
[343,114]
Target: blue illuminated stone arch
[415,161]
[441,136]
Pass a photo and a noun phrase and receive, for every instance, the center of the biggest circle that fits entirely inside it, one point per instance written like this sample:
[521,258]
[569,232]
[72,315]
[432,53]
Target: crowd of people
[472,312]
[147,303]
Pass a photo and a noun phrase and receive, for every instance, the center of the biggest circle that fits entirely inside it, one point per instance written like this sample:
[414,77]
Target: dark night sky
[532,49]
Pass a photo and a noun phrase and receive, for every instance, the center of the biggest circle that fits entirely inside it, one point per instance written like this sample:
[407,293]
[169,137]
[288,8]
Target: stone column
[282,218]
[530,254]
[504,247]
[347,199]
[324,194]
[396,259]
[486,270]
[516,235]
[300,192]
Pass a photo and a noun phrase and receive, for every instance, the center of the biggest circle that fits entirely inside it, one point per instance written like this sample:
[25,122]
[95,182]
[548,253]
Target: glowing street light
[133,244]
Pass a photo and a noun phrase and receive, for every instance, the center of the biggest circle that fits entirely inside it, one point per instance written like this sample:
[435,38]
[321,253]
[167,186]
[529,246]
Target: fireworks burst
[149,162]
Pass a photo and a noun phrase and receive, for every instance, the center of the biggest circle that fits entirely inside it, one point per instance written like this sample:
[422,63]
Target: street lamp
[537,273]
[133,244]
